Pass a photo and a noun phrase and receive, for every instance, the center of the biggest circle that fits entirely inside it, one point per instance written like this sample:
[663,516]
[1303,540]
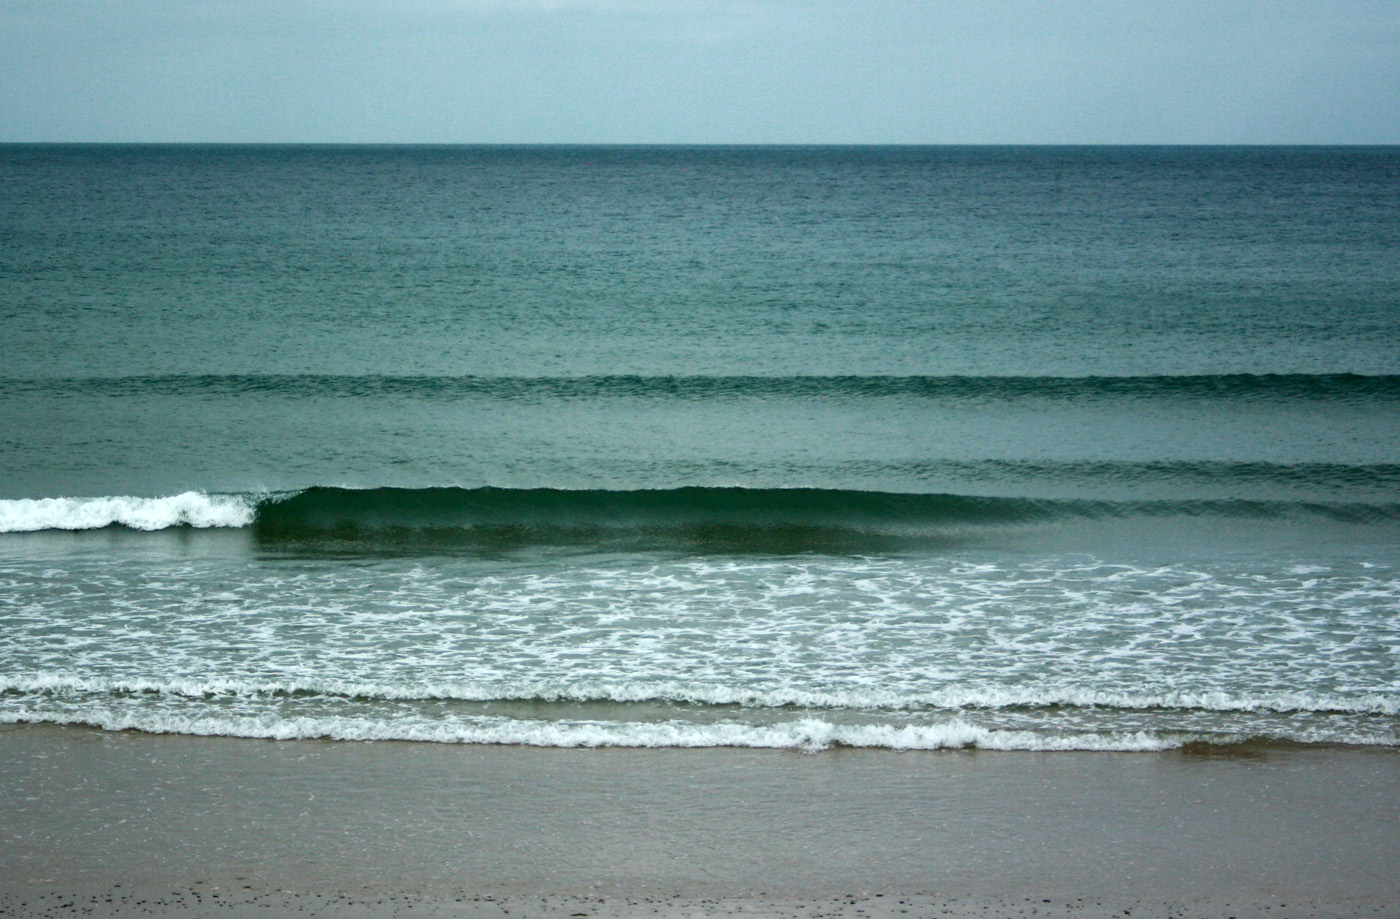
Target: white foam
[645,691]
[191,508]
[808,734]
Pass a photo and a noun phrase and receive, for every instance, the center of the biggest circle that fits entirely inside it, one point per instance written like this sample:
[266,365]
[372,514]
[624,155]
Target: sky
[701,71]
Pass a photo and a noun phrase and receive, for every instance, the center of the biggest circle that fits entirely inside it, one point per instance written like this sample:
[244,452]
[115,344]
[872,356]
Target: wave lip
[433,508]
[191,508]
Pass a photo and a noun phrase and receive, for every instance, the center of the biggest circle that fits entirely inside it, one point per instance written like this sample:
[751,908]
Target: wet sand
[200,900]
[213,826]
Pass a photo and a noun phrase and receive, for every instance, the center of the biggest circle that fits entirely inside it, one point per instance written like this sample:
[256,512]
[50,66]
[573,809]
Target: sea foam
[191,508]
[947,699]
[806,734]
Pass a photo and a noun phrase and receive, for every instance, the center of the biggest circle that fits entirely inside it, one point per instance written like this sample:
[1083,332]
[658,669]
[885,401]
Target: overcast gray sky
[701,71]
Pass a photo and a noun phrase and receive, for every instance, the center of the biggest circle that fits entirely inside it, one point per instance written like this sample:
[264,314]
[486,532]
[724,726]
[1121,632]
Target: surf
[697,513]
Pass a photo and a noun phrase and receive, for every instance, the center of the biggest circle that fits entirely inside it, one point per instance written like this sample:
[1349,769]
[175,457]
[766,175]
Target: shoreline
[383,828]
[203,900]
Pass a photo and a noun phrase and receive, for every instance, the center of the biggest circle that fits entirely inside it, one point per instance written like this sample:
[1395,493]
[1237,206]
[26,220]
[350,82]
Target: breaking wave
[191,509]
[698,516]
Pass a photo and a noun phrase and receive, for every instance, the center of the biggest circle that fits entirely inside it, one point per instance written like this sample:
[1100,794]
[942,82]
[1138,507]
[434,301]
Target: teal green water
[1030,448]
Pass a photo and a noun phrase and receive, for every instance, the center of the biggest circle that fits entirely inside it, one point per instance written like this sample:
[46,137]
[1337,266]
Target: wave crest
[696,517]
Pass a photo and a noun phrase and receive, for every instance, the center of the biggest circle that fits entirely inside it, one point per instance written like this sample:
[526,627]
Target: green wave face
[719,519]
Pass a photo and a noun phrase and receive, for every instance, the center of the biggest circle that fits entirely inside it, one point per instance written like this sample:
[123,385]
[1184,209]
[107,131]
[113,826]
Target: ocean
[904,448]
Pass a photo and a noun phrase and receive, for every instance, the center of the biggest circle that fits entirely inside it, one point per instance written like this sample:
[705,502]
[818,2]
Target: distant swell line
[507,515]
[1292,387]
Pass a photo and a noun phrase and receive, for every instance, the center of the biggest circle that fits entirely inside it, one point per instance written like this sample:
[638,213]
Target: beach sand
[125,824]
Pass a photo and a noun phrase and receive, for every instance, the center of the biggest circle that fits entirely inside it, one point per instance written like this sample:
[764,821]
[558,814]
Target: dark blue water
[909,447]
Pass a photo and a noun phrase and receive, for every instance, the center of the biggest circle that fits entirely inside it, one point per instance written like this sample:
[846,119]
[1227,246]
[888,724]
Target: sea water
[907,448]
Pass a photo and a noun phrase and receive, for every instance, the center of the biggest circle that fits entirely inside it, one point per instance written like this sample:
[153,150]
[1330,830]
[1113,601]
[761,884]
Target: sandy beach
[234,904]
[124,824]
